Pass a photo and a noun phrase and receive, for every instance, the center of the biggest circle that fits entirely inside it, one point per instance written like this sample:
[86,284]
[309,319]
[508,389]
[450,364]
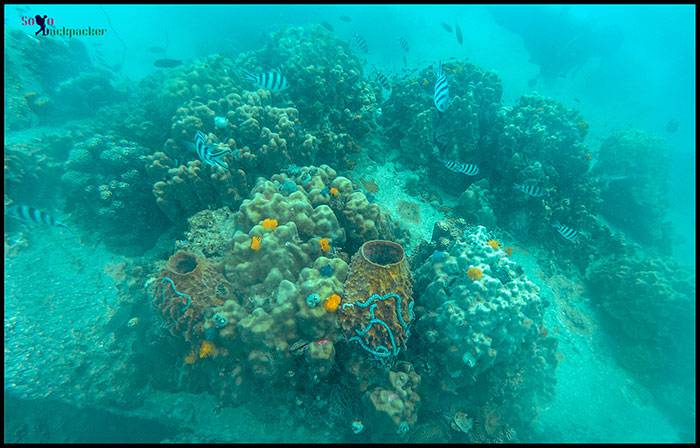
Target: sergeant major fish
[361,43]
[530,190]
[404,44]
[29,214]
[384,83]
[566,232]
[442,94]
[205,152]
[273,80]
[458,167]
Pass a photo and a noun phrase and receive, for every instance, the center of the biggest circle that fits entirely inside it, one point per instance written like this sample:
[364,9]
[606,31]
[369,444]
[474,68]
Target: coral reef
[475,204]
[182,190]
[648,303]
[472,333]
[632,172]
[337,105]
[29,173]
[108,191]
[394,407]
[466,132]
[209,232]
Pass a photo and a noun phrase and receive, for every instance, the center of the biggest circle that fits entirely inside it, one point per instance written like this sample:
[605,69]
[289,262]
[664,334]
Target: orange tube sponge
[332,303]
[269,224]
[255,243]
[325,244]
[474,273]
[206,349]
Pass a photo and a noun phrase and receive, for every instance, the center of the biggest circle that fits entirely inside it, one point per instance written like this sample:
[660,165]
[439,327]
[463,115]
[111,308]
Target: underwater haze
[349,223]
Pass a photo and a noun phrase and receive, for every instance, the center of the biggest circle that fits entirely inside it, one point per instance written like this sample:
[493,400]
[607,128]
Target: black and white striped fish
[442,94]
[205,152]
[458,167]
[566,232]
[530,190]
[383,81]
[32,215]
[361,43]
[404,44]
[272,80]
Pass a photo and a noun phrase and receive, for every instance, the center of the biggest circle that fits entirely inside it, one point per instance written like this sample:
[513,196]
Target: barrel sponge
[185,289]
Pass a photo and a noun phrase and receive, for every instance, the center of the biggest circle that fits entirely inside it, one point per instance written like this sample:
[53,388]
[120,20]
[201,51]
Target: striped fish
[383,81]
[33,215]
[205,152]
[458,167]
[404,44]
[566,232]
[442,94]
[361,43]
[530,190]
[272,80]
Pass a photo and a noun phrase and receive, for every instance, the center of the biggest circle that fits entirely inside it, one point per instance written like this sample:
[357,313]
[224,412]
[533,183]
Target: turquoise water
[337,272]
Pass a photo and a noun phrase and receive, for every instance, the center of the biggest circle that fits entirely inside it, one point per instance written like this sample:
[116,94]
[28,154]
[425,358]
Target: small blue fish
[566,232]
[530,190]
[32,215]
[273,80]
[441,97]
[326,191]
[458,167]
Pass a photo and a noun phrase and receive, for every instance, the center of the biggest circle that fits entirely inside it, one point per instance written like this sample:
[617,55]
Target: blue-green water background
[630,67]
